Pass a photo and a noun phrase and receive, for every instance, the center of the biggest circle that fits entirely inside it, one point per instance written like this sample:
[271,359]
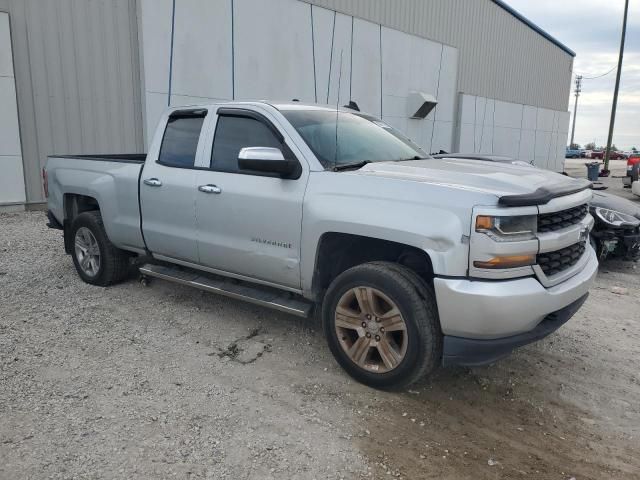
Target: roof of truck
[303,106]
[296,105]
[280,105]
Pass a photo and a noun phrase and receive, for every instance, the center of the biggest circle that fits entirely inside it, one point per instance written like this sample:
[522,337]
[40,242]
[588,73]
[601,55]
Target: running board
[258,295]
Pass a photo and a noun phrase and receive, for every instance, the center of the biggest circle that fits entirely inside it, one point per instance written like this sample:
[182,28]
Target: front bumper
[470,352]
[496,310]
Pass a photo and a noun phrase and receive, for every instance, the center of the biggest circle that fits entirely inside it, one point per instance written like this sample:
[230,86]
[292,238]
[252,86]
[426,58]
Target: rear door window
[180,141]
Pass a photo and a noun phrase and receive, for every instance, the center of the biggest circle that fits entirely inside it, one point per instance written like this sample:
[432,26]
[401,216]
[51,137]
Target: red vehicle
[612,155]
[631,162]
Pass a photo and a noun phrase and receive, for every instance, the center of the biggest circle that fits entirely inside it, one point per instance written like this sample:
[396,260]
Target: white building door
[11,173]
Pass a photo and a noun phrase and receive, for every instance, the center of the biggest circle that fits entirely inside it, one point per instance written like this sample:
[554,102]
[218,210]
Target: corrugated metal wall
[77,78]
[500,56]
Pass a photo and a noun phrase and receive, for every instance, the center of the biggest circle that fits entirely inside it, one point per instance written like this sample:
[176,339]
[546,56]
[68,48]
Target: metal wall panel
[11,172]
[285,49]
[532,134]
[500,56]
[77,78]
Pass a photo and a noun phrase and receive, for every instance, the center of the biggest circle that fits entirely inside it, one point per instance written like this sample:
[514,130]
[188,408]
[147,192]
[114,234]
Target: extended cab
[410,261]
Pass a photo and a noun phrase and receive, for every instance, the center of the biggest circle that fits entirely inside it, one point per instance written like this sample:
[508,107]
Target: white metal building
[93,76]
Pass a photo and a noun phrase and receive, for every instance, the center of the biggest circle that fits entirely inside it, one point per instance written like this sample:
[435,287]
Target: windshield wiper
[349,166]
[415,157]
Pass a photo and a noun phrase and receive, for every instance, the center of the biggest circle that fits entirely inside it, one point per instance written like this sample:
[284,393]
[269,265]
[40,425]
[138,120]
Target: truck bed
[112,181]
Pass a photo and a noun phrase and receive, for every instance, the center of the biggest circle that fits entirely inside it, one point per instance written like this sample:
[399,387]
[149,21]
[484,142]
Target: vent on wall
[419,104]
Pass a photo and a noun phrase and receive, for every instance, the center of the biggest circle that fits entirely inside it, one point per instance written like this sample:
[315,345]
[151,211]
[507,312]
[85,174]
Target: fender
[411,213]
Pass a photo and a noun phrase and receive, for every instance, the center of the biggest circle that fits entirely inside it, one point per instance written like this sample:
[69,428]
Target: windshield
[359,137]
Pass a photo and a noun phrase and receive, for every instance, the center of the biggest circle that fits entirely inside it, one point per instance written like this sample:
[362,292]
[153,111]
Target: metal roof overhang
[533,26]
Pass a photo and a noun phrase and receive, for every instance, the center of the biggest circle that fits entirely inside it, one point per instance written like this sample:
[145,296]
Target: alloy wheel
[370,329]
[87,252]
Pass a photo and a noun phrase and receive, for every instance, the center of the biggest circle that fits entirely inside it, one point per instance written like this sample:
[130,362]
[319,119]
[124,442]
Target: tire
[113,263]
[417,350]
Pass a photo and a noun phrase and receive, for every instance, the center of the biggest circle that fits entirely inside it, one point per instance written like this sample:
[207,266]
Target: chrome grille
[552,263]
[550,222]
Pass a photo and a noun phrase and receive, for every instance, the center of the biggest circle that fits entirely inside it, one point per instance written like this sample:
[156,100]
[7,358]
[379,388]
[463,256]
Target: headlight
[616,219]
[508,229]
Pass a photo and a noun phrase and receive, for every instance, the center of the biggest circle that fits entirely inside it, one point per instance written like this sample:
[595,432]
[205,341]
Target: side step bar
[258,295]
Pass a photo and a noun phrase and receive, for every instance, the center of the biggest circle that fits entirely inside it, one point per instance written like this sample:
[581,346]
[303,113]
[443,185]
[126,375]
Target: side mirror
[267,160]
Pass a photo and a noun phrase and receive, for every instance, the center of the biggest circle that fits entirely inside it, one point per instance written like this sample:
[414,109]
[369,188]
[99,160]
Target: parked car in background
[599,155]
[572,153]
[633,165]
[635,176]
[617,229]
[411,262]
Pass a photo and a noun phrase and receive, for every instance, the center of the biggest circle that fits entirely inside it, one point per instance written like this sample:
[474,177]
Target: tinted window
[180,141]
[235,133]
[359,137]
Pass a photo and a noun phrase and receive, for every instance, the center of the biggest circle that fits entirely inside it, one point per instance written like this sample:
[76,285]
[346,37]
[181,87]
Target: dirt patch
[245,350]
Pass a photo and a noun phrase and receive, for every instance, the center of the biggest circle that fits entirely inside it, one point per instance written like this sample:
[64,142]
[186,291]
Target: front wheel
[381,323]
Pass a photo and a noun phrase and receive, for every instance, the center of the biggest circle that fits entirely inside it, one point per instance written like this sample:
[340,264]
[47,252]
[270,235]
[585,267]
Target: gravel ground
[168,382]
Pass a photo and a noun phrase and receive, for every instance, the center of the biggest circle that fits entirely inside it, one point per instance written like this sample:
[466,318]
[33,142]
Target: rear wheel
[96,259]
[382,326]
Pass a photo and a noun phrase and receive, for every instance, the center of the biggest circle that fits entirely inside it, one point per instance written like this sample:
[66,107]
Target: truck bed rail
[123,158]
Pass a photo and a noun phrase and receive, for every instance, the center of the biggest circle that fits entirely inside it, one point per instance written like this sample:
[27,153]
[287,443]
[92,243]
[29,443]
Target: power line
[599,76]
[578,81]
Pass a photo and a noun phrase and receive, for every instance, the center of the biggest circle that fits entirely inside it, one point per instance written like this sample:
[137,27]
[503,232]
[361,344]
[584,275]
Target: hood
[514,185]
[613,202]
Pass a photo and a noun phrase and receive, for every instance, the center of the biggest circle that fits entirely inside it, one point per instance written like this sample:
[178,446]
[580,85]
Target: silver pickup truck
[411,262]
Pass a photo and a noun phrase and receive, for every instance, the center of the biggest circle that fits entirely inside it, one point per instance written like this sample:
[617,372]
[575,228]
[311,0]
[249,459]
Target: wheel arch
[73,205]
[337,252]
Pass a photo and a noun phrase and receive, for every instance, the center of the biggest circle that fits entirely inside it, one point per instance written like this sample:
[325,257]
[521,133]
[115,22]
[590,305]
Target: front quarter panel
[433,218]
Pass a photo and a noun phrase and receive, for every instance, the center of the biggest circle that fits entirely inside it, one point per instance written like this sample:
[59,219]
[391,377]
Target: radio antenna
[335,159]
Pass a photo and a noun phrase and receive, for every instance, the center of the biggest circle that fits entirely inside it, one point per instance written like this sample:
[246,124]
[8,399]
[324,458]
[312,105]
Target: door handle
[152,182]
[210,189]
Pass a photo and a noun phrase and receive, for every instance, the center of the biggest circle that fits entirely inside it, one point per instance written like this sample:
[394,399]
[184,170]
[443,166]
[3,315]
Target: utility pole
[615,92]
[575,108]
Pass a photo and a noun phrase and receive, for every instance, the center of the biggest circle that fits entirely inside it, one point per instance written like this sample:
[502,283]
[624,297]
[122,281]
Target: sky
[592,29]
